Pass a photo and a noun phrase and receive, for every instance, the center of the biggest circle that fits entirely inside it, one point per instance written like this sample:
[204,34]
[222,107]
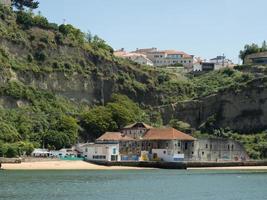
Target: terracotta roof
[166,134]
[136,123]
[114,136]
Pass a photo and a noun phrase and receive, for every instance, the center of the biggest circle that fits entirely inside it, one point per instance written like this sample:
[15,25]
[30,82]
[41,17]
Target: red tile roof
[166,134]
[114,136]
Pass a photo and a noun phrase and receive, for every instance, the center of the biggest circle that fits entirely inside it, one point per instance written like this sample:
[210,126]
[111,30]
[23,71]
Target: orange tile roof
[166,134]
[114,136]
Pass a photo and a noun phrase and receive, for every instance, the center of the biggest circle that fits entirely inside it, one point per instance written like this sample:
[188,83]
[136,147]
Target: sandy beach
[82,165]
[61,165]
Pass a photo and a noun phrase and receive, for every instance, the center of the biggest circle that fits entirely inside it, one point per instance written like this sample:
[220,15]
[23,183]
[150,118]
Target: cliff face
[243,110]
[59,61]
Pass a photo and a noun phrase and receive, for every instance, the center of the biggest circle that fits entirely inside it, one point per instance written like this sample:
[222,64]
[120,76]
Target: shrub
[25,19]
[40,56]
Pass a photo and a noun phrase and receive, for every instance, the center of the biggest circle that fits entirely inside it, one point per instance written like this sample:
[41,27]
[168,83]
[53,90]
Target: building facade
[256,58]
[140,141]
[168,57]
[102,152]
[211,149]
[135,57]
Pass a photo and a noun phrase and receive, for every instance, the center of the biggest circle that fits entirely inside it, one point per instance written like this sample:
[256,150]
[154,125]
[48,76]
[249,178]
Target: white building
[135,57]
[102,152]
[168,57]
[40,153]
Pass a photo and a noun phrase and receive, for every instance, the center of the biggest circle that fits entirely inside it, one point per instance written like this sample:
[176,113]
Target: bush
[40,56]
[25,19]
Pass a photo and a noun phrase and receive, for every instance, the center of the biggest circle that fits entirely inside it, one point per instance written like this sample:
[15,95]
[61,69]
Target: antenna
[64,21]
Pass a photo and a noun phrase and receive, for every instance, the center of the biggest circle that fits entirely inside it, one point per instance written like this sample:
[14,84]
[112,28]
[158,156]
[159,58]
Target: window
[192,144]
[166,144]
[232,147]
[114,150]
[192,152]
[202,153]
[185,145]
[179,144]
[211,146]
[164,152]
[228,146]
[179,152]
[207,146]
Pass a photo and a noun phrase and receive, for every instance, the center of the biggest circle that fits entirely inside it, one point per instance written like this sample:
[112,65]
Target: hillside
[59,85]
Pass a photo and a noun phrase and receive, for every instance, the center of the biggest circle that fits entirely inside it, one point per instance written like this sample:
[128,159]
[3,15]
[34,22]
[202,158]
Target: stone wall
[219,150]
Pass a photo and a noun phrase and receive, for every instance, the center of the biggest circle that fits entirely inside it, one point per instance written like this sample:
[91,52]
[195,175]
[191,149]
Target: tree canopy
[21,4]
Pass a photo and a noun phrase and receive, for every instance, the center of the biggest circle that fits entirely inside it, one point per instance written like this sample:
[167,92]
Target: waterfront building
[139,141]
[102,151]
[218,149]
[168,144]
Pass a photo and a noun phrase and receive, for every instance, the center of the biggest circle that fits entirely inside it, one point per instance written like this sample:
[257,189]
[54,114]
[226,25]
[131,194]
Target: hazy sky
[203,28]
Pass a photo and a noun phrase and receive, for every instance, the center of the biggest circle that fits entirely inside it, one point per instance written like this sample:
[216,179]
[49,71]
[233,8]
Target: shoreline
[83,165]
[62,165]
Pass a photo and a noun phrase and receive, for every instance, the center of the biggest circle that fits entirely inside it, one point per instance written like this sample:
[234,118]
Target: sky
[204,28]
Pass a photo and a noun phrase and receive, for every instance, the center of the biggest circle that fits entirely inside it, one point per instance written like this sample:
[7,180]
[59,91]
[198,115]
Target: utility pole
[223,60]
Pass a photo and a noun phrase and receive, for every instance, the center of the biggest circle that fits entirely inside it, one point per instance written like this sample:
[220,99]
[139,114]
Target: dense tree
[21,4]
[97,121]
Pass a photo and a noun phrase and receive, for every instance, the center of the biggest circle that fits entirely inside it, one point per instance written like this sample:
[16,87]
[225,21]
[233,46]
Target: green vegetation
[256,144]
[119,112]
[216,81]
[33,47]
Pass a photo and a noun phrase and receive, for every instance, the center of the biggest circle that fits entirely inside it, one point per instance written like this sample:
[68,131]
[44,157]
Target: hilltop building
[159,58]
[256,58]
[135,57]
[140,141]
[216,63]
[168,57]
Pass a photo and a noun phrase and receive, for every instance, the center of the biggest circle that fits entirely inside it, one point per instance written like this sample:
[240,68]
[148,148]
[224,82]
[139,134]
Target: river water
[133,185]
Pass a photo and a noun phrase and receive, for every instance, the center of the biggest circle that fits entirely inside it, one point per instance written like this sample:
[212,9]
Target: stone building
[215,149]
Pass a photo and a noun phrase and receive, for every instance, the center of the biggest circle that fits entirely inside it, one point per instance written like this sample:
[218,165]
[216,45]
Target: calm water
[136,184]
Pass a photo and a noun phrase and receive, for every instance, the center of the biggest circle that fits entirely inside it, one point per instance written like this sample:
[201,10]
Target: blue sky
[203,28]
